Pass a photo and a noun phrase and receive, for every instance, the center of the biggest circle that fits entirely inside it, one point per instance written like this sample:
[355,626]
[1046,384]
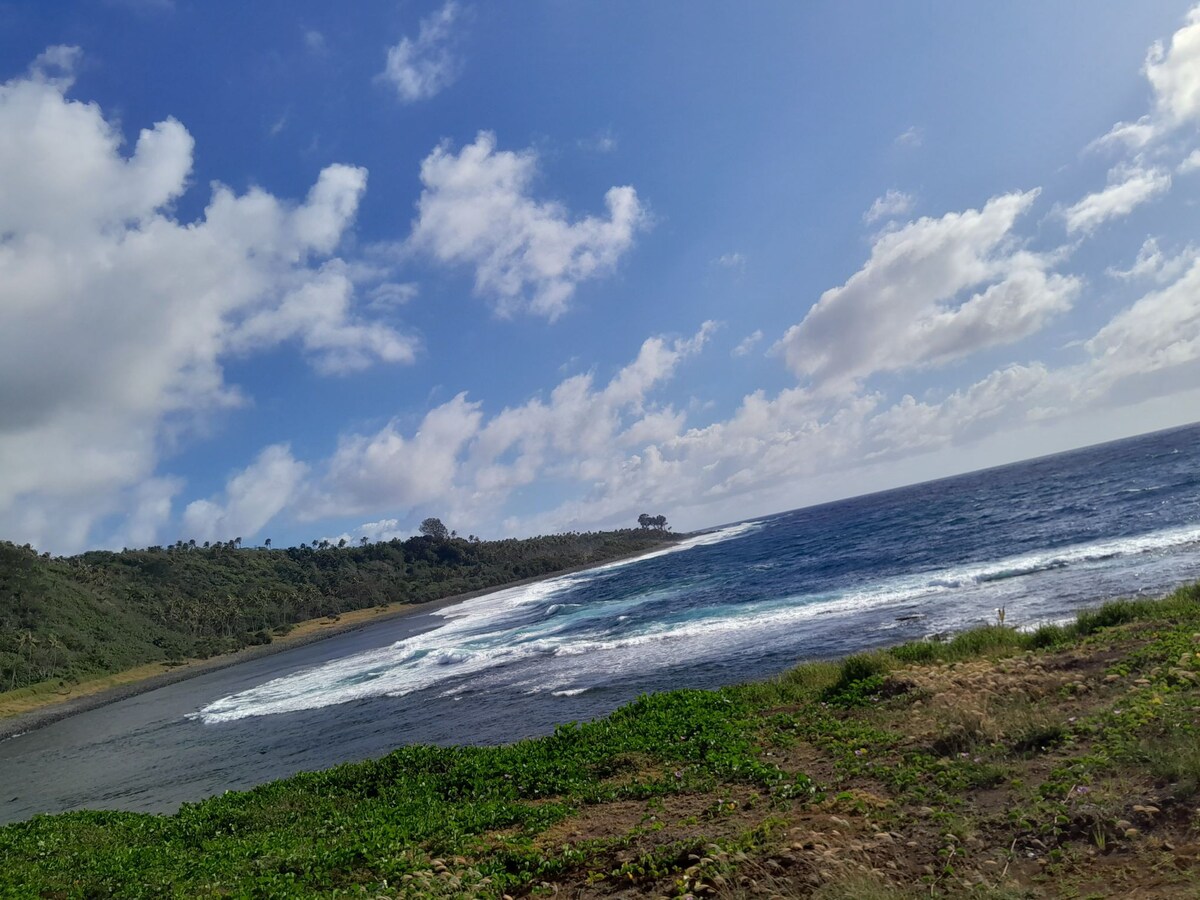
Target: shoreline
[129,683]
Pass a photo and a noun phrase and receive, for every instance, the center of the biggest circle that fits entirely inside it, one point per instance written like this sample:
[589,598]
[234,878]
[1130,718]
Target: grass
[998,764]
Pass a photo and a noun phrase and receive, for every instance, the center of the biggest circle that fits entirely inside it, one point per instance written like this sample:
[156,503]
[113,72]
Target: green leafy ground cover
[69,618]
[1000,764]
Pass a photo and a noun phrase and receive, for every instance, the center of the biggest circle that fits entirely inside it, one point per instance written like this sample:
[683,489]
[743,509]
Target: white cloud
[1190,163]
[1174,76]
[892,204]
[748,343]
[1152,263]
[116,316]
[386,470]
[461,465]
[149,510]
[252,498]
[1128,188]
[933,291]
[476,210]
[733,260]
[383,530]
[419,68]
[318,314]
[1160,331]
[910,137]
[797,447]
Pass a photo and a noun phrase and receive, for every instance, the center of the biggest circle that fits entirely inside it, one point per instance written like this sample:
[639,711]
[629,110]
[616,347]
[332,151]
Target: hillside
[69,618]
[1000,764]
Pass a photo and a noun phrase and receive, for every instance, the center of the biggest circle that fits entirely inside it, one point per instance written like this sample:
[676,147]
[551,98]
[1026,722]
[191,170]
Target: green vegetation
[100,612]
[999,764]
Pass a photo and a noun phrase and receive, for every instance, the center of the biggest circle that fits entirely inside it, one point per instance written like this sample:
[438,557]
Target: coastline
[47,709]
[899,772]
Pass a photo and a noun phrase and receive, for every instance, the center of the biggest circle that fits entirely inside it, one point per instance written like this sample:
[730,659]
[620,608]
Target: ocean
[1038,539]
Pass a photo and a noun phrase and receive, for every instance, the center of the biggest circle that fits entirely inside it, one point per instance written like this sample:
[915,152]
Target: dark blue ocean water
[1040,539]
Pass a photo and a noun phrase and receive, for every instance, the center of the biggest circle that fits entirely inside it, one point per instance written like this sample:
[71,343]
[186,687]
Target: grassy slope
[1062,763]
[66,619]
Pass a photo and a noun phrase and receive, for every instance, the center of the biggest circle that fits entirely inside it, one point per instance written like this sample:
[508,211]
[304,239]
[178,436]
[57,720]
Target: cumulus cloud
[421,67]
[476,210]
[116,316]
[1160,331]
[252,498]
[387,470]
[318,314]
[1128,188]
[464,463]
[1174,75]
[933,291]
[892,204]
[910,137]
[1190,163]
[776,452]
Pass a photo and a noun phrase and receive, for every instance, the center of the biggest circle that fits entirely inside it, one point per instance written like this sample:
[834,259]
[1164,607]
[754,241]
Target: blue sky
[290,271]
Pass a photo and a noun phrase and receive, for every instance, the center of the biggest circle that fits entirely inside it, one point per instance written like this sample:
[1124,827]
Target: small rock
[1167,845]
[1131,833]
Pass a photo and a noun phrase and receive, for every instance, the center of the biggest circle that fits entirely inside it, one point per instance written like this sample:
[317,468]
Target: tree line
[66,618]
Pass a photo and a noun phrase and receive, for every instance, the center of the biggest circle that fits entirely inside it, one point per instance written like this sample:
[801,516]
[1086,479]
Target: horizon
[275,271]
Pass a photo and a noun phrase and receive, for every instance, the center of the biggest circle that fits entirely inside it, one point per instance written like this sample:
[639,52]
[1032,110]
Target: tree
[644,520]
[433,527]
[362,541]
[267,543]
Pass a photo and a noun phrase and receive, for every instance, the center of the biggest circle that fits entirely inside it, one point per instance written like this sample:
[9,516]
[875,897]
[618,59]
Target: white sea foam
[479,635]
[494,640]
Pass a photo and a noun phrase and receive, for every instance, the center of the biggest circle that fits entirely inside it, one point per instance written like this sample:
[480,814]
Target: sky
[302,271]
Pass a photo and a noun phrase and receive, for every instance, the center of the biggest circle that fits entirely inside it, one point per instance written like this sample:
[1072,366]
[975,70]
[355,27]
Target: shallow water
[1040,539]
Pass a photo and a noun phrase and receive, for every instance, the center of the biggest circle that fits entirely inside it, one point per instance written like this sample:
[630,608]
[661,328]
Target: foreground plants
[1061,762]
